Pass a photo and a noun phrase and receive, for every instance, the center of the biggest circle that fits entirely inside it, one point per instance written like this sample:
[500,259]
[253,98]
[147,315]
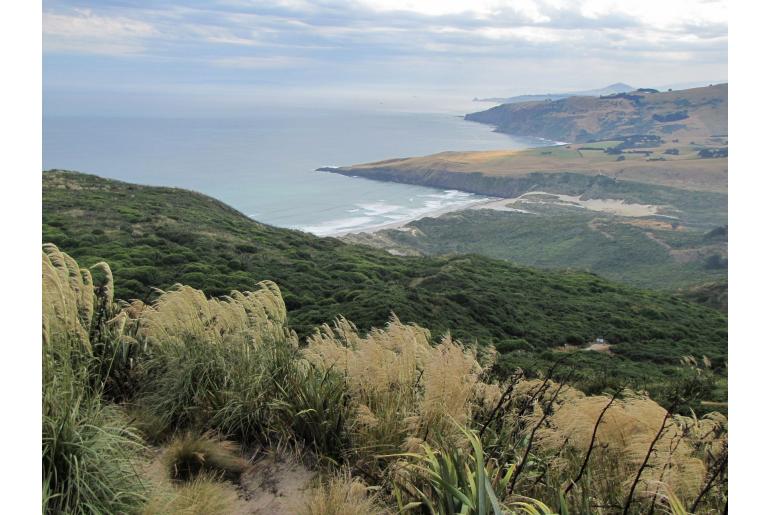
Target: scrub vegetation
[391,420]
[158,237]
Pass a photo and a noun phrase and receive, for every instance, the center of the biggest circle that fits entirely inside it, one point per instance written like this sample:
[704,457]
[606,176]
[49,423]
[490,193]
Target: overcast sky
[217,56]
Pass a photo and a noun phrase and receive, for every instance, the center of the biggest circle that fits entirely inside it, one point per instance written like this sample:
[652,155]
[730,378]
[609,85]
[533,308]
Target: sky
[167,57]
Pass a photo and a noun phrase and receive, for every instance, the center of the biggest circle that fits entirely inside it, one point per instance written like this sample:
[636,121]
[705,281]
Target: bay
[264,164]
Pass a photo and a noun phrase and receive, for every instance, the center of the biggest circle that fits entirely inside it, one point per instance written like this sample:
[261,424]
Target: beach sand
[613,206]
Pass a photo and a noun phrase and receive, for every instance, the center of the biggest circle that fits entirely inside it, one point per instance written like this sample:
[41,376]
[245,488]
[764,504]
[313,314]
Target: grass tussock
[90,456]
[403,389]
[622,442]
[203,495]
[183,314]
[188,456]
[212,363]
[89,452]
[342,494]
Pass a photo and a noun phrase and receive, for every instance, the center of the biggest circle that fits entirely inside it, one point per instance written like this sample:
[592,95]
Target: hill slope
[161,236]
[693,114]
[641,251]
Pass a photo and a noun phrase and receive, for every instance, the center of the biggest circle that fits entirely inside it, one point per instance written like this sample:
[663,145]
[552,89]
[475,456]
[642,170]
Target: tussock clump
[341,494]
[204,495]
[188,456]
[89,454]
[386,358]
[184,314]
[403,387]
[623,439]
[213,361]
[68,301]
[450,376]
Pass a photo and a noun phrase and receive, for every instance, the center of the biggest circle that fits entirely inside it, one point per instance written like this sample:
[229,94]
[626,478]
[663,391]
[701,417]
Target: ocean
[264,165]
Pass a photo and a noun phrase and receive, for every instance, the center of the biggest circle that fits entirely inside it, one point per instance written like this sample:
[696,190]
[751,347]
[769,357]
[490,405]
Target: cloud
[82,31]
[272,62]
[503,46]
[388,25]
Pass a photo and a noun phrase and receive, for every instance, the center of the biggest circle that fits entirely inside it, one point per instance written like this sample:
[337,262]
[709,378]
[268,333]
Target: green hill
[160,236]
[694,114]
[647,252]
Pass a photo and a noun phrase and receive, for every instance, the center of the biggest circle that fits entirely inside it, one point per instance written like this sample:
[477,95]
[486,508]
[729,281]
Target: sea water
[264,165]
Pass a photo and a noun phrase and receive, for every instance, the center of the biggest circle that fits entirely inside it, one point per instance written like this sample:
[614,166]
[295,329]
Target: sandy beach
[481,204]
[613,206]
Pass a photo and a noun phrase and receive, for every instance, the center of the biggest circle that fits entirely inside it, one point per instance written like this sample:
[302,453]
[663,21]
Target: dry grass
[201,496]
[211,362]
[89,453]
[183,314]
[686,171]
[623,439]
[188,456]
[341,494]
[68,299]
[405,390]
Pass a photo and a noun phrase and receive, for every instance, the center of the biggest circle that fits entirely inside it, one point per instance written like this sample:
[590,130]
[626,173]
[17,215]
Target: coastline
[612,206]
[496,203]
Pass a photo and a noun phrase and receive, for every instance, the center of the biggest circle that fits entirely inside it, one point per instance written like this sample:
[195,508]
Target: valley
[156,237]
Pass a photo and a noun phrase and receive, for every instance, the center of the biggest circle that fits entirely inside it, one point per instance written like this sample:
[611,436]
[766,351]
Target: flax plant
[452,480]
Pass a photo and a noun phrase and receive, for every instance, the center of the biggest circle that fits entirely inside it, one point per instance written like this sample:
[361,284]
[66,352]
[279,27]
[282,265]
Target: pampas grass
[341,494]
[622,442]
[183,314]
[212,361]
[89,453]
[404,389]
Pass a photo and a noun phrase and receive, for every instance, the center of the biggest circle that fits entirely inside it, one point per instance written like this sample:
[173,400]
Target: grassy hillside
[155,237]
[691,113]
[656,163]
[644,251]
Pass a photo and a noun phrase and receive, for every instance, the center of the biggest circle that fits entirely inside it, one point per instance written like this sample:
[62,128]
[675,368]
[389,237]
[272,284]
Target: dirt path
[594,225]
[273,485]
[659,241]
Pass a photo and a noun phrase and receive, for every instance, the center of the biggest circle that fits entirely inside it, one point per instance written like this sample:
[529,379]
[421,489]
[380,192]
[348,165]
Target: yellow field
[685,171]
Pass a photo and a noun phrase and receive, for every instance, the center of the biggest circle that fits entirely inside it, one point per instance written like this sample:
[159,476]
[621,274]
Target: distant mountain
[691,114]
[618,87]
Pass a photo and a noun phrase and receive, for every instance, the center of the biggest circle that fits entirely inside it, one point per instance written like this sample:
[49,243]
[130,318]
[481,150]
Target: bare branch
[591,445]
